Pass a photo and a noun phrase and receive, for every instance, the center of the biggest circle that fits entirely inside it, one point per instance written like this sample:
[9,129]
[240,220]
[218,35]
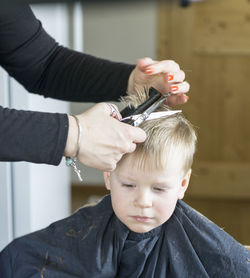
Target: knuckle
[119,158]
[147,59]
[125,148]
[174,65]
[129,132]
[132,147]
[182,75]
[99,107]
[186,86]
[171,62]
[110,166]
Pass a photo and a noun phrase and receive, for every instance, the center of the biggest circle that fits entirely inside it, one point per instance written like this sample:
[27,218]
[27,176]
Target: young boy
[142,229]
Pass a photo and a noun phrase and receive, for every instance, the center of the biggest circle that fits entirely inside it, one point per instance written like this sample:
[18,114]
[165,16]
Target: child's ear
[106,176]
[184,184]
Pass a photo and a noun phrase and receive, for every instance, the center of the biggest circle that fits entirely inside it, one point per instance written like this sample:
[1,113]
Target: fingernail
[170,77]
[149,70]
[174,88]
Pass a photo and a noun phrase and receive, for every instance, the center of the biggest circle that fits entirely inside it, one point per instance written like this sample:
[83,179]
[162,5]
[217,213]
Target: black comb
[154,95]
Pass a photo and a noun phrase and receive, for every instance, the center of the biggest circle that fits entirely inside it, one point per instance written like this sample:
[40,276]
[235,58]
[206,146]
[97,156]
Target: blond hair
[167,138]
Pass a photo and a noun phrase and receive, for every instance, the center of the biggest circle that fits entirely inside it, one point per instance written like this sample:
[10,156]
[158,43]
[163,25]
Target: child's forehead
[132,166]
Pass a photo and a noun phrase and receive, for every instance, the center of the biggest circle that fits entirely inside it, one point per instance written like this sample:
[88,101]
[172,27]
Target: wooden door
[211,42]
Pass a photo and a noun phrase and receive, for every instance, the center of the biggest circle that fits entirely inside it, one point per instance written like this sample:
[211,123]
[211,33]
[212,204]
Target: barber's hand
[165,76]
[104,139]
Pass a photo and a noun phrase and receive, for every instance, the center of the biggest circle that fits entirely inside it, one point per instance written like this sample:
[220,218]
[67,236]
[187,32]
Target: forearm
[32,57]
[79,77]
[32,136]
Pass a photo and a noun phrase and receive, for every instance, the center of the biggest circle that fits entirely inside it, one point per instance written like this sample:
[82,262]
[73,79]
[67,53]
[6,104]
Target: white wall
[6,193]
[120,32]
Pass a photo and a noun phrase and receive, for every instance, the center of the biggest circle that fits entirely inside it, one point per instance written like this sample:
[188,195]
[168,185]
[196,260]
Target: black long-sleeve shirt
[43,67]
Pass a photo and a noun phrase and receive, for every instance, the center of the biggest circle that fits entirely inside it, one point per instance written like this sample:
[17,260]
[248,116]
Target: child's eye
[128,185]
[159,189]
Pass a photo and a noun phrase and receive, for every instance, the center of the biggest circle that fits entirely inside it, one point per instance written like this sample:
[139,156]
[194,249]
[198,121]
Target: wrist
[72,142]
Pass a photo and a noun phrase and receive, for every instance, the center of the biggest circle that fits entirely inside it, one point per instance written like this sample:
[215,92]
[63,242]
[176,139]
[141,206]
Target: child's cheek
[166,206]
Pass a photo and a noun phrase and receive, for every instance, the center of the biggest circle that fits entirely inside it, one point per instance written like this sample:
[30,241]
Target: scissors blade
[148,111]
[155,115]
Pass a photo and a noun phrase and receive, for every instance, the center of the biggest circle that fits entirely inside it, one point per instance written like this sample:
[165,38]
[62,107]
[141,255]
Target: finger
[144,62]
[137,135]
[180,88]
[111,167]
[134,134]
[102,107]
[174,77]
[132,148]
[177,99]
[162,67]
[114,111]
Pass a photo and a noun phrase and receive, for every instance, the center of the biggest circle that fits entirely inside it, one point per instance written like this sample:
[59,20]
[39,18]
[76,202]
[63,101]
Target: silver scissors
[136,116]
[138,119]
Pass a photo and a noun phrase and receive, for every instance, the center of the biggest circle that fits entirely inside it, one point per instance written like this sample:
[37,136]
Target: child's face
[144,200]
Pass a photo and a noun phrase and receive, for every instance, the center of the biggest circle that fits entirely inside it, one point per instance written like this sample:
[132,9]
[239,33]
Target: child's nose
[143,200]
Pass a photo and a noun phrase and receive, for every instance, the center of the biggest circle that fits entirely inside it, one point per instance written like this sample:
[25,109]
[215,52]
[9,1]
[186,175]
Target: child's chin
[141,230]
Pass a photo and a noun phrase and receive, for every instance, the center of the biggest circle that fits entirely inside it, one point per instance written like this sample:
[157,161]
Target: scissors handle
[129,121]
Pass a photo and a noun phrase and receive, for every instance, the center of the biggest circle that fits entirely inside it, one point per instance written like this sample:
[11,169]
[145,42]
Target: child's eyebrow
[162,185]
[126,178]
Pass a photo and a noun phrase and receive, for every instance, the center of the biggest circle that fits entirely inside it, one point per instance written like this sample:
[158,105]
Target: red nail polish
[170,77]
[149,71]
[174,88]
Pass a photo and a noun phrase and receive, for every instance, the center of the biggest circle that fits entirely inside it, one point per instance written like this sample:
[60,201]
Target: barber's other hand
[164,76]
[104,139]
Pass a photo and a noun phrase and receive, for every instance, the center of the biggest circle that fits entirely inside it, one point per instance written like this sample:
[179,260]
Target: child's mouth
[141,218]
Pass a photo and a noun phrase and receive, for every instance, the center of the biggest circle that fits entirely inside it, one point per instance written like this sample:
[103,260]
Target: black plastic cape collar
[94,243]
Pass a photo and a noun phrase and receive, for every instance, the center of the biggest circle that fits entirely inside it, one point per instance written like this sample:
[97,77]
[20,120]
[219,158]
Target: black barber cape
[94,243]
